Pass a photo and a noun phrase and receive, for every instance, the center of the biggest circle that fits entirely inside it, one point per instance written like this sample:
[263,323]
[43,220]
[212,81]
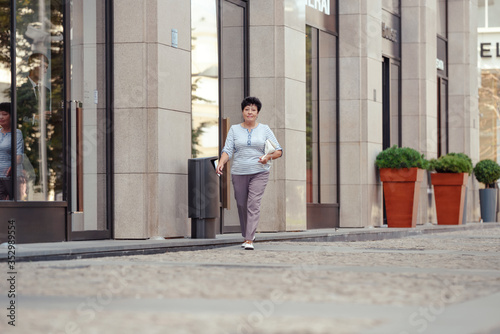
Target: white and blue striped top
[6,152]
[247,146]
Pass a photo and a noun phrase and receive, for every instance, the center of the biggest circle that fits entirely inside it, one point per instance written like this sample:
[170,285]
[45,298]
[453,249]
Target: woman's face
[250,113]
[4,119]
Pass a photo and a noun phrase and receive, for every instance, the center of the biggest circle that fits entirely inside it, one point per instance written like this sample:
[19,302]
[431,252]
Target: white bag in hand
[269,148]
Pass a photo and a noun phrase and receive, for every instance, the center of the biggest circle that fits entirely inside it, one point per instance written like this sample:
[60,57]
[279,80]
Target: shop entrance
[220,83]
[321,130]
[55,184]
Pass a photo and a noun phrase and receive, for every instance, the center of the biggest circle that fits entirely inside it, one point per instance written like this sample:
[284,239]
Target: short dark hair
[37,55]
[5,106]
[248,101]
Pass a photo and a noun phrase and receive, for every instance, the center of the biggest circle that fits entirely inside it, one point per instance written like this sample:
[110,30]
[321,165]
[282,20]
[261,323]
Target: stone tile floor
[436,283]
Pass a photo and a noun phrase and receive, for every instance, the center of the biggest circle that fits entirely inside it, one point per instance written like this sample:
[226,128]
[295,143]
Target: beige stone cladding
[152,114]
[277,76]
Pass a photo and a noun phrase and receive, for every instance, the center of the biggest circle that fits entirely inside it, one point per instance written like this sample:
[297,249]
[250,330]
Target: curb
[107,248]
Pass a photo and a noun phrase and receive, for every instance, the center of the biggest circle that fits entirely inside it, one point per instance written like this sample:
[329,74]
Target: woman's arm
[273,156]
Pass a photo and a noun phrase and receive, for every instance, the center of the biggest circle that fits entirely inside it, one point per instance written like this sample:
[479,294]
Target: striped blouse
[247,146]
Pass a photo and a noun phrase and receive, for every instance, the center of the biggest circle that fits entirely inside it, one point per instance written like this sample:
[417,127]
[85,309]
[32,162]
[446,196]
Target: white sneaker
[243,244]
[249,246]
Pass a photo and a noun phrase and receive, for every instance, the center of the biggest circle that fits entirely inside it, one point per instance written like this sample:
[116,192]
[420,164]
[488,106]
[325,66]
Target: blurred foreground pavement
[437,283]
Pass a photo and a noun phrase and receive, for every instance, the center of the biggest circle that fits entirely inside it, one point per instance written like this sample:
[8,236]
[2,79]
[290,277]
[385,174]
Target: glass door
[321,129]
[219,83]
[233,88]
[88,120]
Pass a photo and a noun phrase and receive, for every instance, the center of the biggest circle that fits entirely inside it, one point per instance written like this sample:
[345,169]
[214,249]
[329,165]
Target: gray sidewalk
[100,248]
[429,282]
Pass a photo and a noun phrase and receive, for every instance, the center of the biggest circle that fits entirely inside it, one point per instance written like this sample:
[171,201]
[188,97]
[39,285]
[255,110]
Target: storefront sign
[320,5]
[389,33]
[440,64]
[322,14]
[488,50]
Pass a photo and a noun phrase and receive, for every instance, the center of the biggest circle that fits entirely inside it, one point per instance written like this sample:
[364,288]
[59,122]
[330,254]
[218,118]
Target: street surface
[438,283]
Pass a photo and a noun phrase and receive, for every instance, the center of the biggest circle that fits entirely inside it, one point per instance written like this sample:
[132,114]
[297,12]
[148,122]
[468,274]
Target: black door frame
[246,83]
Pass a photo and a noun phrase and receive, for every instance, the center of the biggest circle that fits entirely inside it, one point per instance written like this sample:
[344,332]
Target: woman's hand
[222,162]
[264,159]
[220,167]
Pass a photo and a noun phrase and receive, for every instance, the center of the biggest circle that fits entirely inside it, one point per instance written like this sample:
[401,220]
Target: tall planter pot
[401,194]
[449,193]
[488,203]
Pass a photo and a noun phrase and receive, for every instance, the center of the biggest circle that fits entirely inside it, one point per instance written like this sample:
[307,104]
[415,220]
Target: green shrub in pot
[400,157]
[451,163]
[487,172]
[450,185]
[401,172]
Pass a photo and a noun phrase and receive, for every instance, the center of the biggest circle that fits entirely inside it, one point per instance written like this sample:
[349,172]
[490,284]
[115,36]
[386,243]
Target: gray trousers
[248,191]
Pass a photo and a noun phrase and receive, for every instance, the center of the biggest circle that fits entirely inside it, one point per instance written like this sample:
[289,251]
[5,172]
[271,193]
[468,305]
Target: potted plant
[401,171]
[449,182]
[487,172]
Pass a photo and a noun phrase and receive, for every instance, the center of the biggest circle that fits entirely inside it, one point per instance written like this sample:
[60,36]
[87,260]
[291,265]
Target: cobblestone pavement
[438,283]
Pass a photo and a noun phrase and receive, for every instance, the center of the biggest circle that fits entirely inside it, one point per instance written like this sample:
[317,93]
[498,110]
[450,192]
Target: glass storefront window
[494,14]
[481,14]
[321,123]
[205,79]
[40,66]
[489,113]
[6,121]
[441,16]
[488,14]
[311,114]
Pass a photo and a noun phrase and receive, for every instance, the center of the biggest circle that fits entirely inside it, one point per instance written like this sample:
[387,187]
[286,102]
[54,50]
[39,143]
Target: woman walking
[245,144]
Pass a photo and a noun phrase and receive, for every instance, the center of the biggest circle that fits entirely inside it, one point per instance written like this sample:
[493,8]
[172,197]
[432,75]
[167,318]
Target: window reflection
[205,79]
[311,114]
[489,112]
[6,186]
[39,49]
[488,14]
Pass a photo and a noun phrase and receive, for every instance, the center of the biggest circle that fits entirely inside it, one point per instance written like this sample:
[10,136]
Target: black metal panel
[322,216]
[203,188]
[109,117]
[41,224]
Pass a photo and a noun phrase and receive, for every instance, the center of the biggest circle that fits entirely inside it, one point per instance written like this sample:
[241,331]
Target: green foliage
[452,163]
[487,172]
[400,157]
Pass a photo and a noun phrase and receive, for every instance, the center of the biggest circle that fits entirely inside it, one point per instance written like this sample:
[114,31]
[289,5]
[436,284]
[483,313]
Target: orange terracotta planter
[401,194]
[449,193]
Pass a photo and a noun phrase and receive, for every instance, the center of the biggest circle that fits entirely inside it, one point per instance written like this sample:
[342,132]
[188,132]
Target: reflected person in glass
[245,143]
[6,154]
[33,110]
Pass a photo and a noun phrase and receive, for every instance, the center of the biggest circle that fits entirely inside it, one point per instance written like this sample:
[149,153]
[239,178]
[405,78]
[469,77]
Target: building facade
[136,88]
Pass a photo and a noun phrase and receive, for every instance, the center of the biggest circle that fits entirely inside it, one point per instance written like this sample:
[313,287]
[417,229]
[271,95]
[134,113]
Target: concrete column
[419,87]
[360,57]
[152,117]
[463,89]
[277,77]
